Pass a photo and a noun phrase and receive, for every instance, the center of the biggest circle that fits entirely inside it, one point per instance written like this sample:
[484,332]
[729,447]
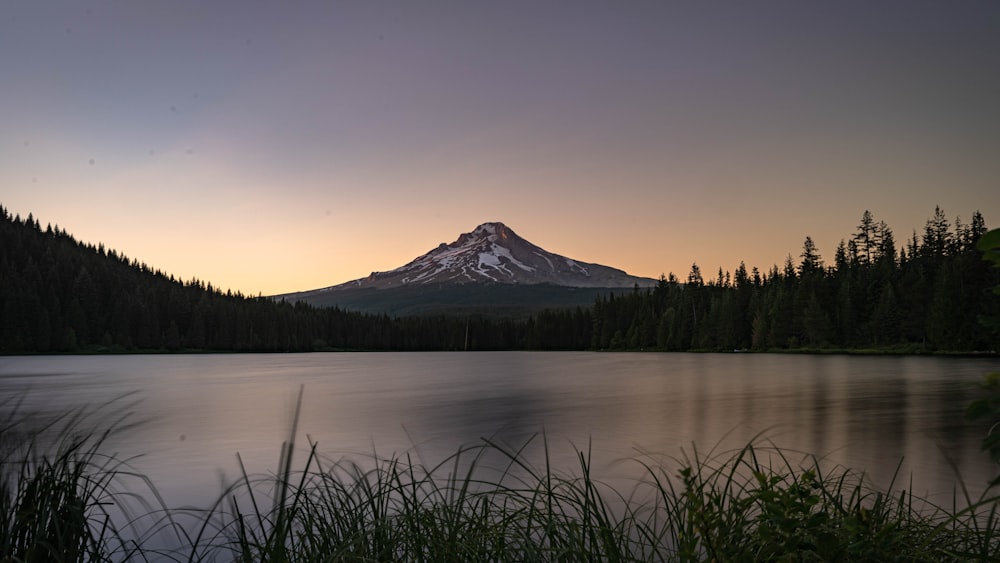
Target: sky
[273,147]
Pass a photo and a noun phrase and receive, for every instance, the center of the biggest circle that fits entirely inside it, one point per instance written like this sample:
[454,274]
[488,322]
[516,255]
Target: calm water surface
[195,412]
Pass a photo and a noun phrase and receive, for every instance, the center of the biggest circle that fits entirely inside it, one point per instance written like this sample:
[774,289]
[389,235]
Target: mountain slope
[480,269]
[494,253]
[500,301]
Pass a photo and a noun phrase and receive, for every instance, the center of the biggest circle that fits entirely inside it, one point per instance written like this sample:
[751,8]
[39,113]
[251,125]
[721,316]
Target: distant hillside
[492,300]
[61,295]
[58,295]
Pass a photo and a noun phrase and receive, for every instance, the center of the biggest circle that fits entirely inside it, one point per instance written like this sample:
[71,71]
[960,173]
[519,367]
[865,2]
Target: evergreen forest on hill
[931,292]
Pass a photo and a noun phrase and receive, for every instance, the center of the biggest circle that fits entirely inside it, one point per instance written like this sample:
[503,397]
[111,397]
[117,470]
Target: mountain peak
[492,228]
[493,253]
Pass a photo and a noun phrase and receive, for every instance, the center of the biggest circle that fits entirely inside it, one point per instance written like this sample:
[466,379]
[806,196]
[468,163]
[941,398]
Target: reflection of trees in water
[941,405]
[820,412]
[511,415]
[513,419]
[879,426]
[898,418]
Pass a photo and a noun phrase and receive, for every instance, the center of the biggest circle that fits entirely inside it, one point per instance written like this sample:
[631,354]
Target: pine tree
[866,239]
[811,260]
[937,235]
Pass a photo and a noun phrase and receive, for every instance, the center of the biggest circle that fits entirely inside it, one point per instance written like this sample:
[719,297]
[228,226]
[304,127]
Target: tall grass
[486,502]
[750,505]
[62,498]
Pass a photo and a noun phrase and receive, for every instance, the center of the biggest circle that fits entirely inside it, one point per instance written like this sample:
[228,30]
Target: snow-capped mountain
[488,271]
[495,254]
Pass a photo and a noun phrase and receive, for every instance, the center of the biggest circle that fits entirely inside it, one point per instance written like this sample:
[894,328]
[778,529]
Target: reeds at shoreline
[486,502]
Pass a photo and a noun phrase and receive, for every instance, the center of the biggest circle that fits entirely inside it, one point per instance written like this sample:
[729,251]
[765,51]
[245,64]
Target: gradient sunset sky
[271,147]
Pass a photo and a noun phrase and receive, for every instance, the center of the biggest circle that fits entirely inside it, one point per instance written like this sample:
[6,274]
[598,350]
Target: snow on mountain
[493,253]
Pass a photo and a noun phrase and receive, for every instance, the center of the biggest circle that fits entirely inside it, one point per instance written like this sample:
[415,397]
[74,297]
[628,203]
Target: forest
[929,293]
[932,294]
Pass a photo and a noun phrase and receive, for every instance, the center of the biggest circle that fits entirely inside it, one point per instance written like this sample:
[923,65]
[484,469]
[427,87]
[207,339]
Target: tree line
[59,295]
[929,293]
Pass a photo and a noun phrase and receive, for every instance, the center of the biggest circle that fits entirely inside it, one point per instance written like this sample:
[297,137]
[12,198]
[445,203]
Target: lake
[193,413]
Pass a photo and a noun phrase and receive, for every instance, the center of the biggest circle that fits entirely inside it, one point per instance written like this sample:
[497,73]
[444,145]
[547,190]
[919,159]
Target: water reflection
[861,412]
